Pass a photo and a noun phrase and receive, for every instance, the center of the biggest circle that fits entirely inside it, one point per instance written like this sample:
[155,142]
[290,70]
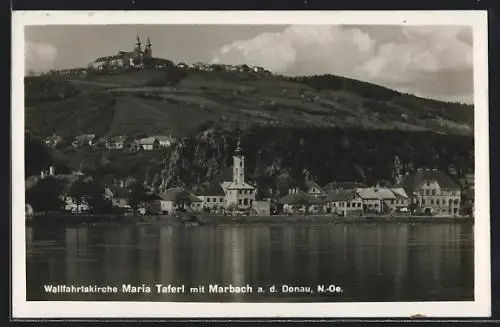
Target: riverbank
[217,220]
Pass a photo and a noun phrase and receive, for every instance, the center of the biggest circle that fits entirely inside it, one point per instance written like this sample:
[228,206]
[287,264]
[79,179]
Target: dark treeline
[361,155]
[326,154]
[39,89]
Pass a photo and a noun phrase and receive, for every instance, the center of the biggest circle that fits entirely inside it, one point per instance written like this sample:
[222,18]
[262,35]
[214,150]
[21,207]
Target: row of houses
[116,142]
[223,67]
[428,192]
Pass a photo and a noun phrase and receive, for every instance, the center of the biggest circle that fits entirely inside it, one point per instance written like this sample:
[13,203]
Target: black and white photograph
[235,164]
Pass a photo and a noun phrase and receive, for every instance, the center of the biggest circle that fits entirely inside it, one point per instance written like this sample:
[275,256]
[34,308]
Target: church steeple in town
[238,164]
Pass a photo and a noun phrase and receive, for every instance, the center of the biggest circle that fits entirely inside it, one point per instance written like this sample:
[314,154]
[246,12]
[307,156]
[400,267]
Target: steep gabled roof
[341,196]
[213,189]
[332,186]
[312,184]
[399,192]
[412,182]
[385,194]
[147,140]
[298,198]
[367,193]
[172,193]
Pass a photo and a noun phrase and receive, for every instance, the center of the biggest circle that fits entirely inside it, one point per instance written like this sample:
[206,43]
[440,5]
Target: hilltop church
[136,58]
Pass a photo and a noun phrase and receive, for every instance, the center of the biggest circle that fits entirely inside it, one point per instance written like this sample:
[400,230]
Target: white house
[344,202]
[147,143]
[164,141]
[175,198]
[371,200]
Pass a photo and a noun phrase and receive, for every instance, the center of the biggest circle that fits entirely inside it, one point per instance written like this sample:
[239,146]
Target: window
[376,205]
[423,202]
[245,201]
[427,192]
[455,210]
[239,201]
[455,201]
[239,192]
[241,163]
[348,204]
[392,201]
[220,200]
[359,204]
[428,183]
[251,201]
[432,201]
[353,205]
[208,199]
[370,205]
[433,192]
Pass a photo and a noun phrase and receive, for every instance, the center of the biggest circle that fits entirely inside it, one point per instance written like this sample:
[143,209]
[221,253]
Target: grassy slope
[118,104]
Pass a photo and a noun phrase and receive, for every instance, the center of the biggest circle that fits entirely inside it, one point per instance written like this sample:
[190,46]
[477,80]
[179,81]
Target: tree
[182,199]
[79,191]
[45,195]
[95,198]
[137,195]
[396,170]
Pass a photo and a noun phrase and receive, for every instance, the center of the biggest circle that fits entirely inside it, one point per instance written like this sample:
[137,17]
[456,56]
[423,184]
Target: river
[366,262]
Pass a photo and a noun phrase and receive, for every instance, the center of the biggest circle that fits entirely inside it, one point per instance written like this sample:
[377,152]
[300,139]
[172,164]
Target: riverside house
[344,203]
[432,192]
[175,198]
[213,197]
[299,201]
[371,200]
[119,196]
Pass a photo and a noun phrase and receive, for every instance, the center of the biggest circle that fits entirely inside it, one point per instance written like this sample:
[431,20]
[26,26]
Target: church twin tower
[147,53]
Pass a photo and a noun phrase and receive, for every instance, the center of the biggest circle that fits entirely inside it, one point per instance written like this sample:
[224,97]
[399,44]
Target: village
[426,192]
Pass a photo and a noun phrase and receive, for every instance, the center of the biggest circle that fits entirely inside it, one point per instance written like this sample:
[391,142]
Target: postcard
[250,164]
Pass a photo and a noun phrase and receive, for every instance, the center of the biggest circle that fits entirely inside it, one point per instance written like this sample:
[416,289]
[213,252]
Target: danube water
[364,262]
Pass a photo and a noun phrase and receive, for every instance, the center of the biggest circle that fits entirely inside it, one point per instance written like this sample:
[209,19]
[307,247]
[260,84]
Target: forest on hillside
[273,156]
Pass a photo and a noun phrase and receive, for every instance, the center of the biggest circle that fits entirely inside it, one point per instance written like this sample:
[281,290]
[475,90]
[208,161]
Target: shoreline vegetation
[96,220]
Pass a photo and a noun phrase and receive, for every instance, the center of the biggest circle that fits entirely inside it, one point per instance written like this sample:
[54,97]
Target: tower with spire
[148,52]
[238,164]
[138,51]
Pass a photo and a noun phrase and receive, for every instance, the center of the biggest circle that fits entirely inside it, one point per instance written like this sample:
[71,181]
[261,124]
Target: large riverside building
[432,192]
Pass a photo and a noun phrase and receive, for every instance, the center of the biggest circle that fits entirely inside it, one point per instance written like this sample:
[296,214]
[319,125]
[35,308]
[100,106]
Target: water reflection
[371,262]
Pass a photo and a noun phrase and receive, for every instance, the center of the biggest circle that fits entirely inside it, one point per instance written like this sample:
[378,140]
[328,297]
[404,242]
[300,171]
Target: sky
[428,61]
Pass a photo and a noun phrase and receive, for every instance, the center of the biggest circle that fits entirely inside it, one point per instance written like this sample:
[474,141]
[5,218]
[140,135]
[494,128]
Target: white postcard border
[481,307]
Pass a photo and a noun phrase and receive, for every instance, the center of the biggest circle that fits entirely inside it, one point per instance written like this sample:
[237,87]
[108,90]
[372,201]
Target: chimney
[122,183]
[42,174]
[52,171]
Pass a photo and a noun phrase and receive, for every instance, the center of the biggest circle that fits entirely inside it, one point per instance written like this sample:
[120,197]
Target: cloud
[39,57]
[405,58]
